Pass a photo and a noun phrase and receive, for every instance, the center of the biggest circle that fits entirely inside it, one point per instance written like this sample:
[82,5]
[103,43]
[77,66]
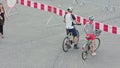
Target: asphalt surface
[33,39]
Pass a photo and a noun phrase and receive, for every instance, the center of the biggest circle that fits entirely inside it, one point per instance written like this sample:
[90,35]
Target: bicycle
[86,48]
[68,41]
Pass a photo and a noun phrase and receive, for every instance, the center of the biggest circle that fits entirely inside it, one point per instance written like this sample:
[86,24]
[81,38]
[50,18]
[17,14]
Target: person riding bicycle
[90,32]
[69,19]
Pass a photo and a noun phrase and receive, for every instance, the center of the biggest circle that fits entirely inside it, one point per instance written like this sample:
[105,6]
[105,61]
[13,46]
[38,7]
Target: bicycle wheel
[97,43]
[66,44]
[85,51]
[84,55]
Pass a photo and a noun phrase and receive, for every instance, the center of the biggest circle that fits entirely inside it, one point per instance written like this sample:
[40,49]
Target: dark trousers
[1,29]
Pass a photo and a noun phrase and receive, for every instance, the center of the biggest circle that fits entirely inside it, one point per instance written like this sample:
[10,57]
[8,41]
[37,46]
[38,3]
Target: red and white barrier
[60,12]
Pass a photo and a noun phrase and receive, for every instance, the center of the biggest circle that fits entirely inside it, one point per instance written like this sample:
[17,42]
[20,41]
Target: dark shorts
[74,32]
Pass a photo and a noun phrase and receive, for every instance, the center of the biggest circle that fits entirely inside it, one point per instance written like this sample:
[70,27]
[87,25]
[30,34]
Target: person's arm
[74,19]
[64,18]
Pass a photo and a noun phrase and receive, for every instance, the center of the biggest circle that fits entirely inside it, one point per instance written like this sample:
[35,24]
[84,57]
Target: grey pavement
[33,39]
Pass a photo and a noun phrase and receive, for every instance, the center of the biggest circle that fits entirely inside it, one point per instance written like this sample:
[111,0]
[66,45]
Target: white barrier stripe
[110,28]
[32,4]
[39,7]
[101,26]
[81,20]
[46,7]
[57,11]
[63,13]
[25,3]
[118,30]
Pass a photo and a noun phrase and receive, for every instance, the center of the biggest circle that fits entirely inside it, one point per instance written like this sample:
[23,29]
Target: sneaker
[76,47]
[94,54]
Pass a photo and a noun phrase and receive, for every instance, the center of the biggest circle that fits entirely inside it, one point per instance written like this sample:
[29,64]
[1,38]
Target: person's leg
[93,46]
[1,30]
[75,40]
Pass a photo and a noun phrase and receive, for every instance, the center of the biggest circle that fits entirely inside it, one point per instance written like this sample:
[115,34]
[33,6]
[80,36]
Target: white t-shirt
[69,21]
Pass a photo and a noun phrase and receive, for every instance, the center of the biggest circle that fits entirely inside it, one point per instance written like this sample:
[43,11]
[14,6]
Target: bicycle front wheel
[97,43]
[85,50]
[84,55]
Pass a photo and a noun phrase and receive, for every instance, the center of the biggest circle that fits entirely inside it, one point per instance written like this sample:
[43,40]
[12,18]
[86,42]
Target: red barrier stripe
[35,5]
[66,12]
[49,8]
[28,3]
[78,19]
[42,6]
[60,12]
[114,30]
[97,25]
[55,10]
[105,27]
[84,21]
[22,2]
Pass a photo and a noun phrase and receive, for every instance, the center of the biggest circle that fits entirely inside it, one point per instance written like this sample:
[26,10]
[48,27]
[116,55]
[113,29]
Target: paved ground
[33,39]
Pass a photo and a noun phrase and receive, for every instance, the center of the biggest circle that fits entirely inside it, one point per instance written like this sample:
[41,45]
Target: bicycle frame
[88,42]
[70,36]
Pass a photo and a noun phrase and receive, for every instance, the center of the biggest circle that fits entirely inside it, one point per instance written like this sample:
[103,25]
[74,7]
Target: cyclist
[69,19]
[89,28]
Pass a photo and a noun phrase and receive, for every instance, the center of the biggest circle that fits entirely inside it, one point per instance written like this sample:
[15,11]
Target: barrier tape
[60,12]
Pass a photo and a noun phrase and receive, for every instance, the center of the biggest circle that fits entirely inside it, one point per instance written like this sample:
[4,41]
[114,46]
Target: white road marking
[49,19]
[55,24]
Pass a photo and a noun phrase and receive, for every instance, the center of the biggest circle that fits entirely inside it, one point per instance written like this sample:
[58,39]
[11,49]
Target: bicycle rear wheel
[97,43]
[66,44]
